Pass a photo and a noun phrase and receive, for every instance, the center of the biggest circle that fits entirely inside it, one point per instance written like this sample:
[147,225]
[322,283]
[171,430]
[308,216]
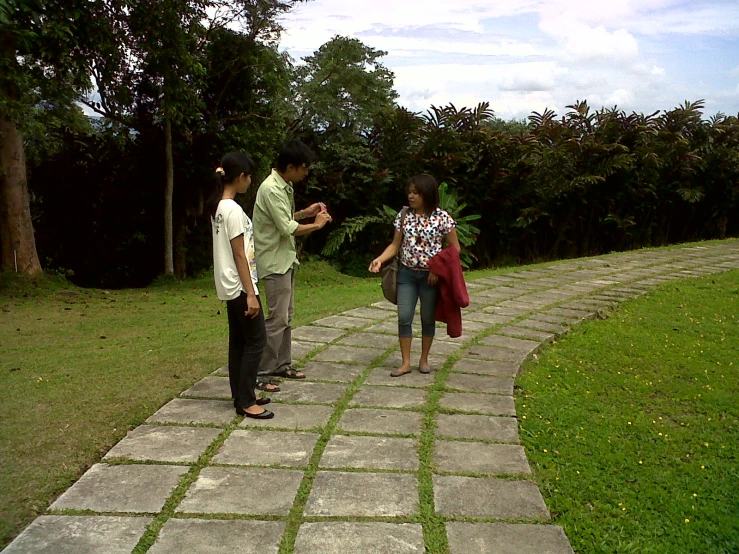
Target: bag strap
[403,213]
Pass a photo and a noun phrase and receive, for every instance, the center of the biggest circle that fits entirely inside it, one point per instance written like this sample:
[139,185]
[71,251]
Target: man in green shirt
[275,228]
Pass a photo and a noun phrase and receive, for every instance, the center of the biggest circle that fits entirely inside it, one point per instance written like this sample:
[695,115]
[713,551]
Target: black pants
[246,340]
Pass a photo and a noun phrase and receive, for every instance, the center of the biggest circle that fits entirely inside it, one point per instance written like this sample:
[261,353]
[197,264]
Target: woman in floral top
[424,231]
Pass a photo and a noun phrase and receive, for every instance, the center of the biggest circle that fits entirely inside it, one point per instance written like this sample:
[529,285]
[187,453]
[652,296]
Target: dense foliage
[581,183]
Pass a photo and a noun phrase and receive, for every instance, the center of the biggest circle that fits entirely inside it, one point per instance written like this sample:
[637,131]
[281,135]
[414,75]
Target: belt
[416,268]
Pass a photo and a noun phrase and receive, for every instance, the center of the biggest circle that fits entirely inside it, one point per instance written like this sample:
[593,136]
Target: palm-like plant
[386,215]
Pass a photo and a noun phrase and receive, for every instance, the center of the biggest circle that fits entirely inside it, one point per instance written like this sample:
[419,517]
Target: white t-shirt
[229,223]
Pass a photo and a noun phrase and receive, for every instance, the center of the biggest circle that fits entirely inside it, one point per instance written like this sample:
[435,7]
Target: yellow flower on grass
[687,520]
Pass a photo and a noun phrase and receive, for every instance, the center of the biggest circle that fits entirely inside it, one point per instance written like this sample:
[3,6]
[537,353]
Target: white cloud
[621,98]
[550,54]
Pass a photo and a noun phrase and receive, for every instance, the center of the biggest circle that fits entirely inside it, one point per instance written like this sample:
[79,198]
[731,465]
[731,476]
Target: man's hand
[252,306]
[375,266]
[312,210]
[322,218]
[433,278]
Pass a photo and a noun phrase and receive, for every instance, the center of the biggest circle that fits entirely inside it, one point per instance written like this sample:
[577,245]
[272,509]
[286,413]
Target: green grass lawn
[80,367]
[632,424]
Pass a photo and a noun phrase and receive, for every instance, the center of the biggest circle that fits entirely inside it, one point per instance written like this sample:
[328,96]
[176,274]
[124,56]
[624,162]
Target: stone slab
[252,447]
[386,327]
[341,322]
[212,536]
[385,305]
[374,421]
[223,490]
[518,305]
[543,326]
[440,348]
[506,538]
[494,353]
[488,498]
[221,371]
[302,349]
[368,313]
[389,397]
[135,488]
[324,371]
[80,535]
[337,494]
[370,340]
[492,428]
[572,314]
[395,359]
[164,443]
[311,333]
[522,332]
[416,379]
[580,305]
[352,451]
[304,391]
[349,355]
[489,319]
[186,410]
[480,383]
[563,321]
[488,404]
[338,537]
[486,367]
[477,457]
[520,345]
[210,387]
[302,417]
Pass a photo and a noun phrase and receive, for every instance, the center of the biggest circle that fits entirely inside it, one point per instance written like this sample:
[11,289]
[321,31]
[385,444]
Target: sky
[529,55]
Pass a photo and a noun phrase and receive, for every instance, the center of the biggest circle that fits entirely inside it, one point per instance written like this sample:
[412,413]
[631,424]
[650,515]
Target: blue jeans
[413,285]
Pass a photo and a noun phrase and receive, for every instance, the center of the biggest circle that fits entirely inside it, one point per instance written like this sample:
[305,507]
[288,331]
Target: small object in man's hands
[323,207]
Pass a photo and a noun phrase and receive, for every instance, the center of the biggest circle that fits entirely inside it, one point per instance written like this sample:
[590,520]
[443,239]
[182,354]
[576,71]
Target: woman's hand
[375,266]
[252,306]
[433,278]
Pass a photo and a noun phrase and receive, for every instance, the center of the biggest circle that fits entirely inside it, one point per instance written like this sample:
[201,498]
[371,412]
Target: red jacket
[453,290]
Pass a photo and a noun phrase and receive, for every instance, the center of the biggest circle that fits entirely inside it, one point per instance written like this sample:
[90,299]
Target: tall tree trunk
[168,195]
[16,228]
[180,240]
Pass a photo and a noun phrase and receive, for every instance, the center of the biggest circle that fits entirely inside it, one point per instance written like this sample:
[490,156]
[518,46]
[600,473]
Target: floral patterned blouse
[422,236]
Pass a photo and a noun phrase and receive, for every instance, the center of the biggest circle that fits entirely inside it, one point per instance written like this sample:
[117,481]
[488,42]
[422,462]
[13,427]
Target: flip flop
[267,387]
[290,373]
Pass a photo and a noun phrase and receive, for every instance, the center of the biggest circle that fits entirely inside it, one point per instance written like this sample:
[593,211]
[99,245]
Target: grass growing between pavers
[80,367]
[632,424]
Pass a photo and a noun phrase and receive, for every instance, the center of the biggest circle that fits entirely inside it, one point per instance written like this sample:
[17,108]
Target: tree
[44,56]
[344,85]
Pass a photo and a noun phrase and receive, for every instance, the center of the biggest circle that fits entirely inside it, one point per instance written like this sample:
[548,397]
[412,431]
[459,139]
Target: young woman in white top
[420,237]
[235,273]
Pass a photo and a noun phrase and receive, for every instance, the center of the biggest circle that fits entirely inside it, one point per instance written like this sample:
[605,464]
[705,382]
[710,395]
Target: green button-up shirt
[274,225]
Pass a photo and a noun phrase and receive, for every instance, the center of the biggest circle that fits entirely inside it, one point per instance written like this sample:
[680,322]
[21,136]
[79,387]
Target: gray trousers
[277,355]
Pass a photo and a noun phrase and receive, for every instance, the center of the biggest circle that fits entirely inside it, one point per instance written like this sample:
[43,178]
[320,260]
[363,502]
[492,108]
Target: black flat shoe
[266,414]
[260,402]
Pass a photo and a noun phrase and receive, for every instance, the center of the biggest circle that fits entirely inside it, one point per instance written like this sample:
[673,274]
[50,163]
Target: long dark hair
[232,165]
[428,188]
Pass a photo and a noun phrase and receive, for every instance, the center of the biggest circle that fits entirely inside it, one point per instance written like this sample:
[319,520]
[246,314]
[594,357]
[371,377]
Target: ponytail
[232,165]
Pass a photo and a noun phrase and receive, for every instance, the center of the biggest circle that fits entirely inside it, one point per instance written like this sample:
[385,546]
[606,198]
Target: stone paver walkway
[355,461]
